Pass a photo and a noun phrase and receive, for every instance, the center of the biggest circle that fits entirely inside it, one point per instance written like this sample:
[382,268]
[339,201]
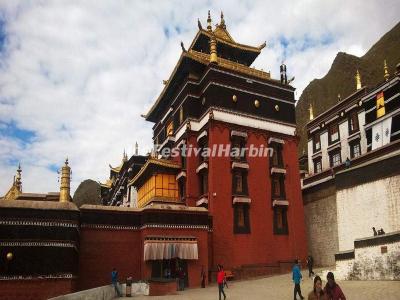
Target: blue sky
[75,76]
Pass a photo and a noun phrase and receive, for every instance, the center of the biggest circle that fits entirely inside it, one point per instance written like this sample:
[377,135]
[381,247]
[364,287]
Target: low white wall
[106,292]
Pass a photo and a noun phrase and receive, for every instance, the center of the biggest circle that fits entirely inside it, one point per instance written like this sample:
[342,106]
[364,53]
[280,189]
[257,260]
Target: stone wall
[361,207]
[321,223]
[374,258]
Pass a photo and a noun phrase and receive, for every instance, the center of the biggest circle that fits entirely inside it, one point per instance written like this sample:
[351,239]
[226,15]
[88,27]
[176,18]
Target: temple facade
[353,182]
[222,186]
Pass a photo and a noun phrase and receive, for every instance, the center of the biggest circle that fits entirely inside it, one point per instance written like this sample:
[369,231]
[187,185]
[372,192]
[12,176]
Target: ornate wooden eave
[154,163]
[223,36]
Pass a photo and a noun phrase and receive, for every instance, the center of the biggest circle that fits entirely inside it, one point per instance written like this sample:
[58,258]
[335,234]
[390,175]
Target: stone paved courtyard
[281,287]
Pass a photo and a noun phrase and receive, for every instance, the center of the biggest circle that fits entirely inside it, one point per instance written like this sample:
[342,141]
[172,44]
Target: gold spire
[222,21]
[358,80]
[385,68]
[18,182]
[65,182]
[124,157]
[311,112]
[209,27]
[213,50]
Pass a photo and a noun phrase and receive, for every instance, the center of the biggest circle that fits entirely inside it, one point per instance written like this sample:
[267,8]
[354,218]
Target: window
[170,128]
[333,133]
[280,220]
[238,149]
[203,154]
[353,123]
[241,218]
[317,165]
[182,188]
[317,142]
[278,186]
[239,183]
[203,183]
[335,158]
[276,159]
[355,149]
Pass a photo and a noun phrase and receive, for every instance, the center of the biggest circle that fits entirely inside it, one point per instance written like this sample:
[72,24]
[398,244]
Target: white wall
[324,147]
[361,207]
[344,144]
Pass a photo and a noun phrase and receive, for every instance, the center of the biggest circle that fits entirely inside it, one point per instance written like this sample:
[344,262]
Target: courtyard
[281,287]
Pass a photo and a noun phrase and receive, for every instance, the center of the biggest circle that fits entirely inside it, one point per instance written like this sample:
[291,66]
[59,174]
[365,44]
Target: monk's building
[353,182]
[215,100]
[222,185]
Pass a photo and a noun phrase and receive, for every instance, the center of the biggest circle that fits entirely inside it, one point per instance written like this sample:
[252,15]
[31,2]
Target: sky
[75,76]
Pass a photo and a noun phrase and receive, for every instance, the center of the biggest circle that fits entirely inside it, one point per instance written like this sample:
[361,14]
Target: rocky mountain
[88,192]
[323,93]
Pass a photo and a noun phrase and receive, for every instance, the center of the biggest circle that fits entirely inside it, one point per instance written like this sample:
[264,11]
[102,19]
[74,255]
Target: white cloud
[79,74]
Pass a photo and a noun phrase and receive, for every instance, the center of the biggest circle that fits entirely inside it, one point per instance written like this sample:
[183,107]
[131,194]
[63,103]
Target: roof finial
[213,50]
[209,28]
[385,68]
[136,148]
[18,181]
[199,24]
[311,112]
[358,80]
[124,157]
[65,183]
[222,21]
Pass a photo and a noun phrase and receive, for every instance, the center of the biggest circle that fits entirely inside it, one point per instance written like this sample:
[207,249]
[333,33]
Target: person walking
[317,293]
[114,281]
[220,281]
[310,265]
[332,289]
[296,277]
[203,277]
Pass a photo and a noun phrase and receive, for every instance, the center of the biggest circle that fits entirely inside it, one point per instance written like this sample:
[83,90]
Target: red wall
[104,249]
[261,246]
[35,289]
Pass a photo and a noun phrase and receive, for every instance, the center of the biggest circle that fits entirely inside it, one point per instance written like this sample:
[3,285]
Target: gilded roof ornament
[311,112]
[183,47]
[385,68]
[222,25]
[262,46]
[358,80]
[209,27]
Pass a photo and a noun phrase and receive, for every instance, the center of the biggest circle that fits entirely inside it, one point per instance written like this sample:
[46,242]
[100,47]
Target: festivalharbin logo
[217,150]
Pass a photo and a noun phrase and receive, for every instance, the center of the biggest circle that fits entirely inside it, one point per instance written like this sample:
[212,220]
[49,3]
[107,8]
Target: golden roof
[157,162]
[107,184]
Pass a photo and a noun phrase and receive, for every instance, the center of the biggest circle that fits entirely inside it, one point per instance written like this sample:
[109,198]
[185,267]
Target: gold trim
[157,162]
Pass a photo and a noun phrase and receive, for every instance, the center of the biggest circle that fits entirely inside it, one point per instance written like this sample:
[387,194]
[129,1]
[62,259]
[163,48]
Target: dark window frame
[332,154]
[281,179]
[285,227]
[246,216]
[245,190]
[278,153]
[315,162]
[352,146]
[315,142]
[238,142]
[182,188]
[353,119]
[334,125]
[203,183]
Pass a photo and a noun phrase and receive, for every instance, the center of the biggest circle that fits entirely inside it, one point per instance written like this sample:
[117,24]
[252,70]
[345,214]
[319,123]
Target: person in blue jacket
[296,277]
[114,281]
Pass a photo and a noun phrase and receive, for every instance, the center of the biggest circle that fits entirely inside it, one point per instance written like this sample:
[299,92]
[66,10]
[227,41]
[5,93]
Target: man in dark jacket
[310,265]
